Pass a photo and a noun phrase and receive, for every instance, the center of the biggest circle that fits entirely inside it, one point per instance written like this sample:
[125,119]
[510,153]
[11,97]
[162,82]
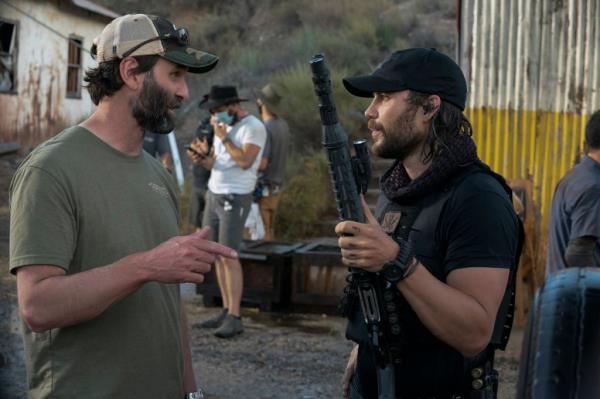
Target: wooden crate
[267,280]
[318,275]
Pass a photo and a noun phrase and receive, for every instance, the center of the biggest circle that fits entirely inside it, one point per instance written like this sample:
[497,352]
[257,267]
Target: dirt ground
[278,356]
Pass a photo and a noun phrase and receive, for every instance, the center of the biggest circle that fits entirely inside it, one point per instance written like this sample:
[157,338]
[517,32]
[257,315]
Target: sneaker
[216,321]
[231,326]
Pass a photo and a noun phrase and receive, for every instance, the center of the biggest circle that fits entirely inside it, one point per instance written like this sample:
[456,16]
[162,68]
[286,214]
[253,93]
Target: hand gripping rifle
[350,177]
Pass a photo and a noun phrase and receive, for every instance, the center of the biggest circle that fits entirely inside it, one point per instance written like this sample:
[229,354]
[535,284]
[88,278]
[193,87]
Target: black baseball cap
[424,70]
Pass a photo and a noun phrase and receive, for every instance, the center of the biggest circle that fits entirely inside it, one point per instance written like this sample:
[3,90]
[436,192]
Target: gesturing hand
[220,129]
[201,145]
[199,151]
[183,259]
[365,245]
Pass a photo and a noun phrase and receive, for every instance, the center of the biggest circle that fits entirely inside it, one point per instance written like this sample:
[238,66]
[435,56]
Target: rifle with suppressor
[350,177]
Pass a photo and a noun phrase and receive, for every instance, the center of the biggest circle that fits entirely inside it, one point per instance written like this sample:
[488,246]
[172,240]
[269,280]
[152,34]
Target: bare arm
[189,381]
[264,162]
[48,298]
[244,156]
[462,313]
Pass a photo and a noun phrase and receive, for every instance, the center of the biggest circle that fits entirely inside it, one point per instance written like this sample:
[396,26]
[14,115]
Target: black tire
[560,358]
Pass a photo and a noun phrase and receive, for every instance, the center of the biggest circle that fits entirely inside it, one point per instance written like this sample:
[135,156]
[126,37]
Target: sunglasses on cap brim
[180,35]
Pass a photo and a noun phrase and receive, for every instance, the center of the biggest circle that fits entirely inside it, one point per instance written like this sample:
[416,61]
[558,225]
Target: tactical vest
[404,331]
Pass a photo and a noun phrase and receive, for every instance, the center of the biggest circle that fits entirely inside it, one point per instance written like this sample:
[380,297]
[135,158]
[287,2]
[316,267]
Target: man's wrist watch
[402,266]
[225,140]
[195,395]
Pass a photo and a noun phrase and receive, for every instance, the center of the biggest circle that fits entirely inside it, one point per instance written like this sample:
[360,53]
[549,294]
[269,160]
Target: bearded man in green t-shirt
[94,231]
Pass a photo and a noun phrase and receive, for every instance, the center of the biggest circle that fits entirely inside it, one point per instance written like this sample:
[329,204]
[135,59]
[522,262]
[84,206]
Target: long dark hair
[105,79]
[448,122]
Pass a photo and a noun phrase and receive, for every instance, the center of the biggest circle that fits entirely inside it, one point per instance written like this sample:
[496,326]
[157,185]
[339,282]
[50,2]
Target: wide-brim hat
[141,34]
[420,69]
[220,95]
[270,95]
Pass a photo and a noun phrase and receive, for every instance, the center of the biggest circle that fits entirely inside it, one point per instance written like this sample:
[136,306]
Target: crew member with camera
[239,139]
[443,245]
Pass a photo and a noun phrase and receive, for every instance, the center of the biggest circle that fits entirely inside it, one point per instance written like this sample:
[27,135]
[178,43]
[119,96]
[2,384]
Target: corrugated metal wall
[533,68]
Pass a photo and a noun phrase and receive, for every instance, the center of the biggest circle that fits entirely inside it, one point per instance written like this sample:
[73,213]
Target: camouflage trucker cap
[141,34]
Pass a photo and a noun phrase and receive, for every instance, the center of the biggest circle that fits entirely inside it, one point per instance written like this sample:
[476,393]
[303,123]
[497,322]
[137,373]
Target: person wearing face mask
[239,140]
[94,234]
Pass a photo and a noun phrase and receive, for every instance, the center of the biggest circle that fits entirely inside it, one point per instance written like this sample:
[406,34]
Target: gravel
[278,356]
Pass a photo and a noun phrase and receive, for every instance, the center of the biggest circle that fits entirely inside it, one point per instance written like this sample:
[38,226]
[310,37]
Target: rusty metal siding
[533,68]
[40,108]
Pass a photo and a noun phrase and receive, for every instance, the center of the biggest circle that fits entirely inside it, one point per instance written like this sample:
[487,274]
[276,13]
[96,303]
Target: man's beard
[151,108]
[399,140]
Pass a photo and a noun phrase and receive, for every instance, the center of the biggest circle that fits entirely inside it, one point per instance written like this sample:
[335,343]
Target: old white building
[44,51]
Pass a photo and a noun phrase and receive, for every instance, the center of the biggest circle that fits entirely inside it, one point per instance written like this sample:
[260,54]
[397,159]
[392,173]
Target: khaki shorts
[226,215]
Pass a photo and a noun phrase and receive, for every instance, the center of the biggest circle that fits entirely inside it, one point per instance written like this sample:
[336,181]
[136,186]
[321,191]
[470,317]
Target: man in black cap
[443,244]
[239,139]
[94,235]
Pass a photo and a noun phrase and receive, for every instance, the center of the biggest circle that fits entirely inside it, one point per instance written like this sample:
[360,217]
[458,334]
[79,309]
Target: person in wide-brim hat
[270,96]
[219,96]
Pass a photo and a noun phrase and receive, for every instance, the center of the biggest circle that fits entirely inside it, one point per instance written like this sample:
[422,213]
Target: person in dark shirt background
[200,174]
[158,146]
[272,166]
[574,236]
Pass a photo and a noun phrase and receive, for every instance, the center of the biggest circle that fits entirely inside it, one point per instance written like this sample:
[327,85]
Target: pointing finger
[200,242]
[202,233]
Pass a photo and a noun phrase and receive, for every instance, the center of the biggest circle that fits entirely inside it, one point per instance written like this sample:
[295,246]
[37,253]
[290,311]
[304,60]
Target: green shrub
[304,43]
[307,199]
[250,60]
[299,106]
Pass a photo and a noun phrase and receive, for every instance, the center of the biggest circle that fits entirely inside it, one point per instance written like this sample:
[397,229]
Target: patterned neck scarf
[458,152]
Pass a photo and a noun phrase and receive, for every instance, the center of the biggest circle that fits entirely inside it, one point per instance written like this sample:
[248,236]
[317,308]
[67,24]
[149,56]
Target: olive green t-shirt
[77,203]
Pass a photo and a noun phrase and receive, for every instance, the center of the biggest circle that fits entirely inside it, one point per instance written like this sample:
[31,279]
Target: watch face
[393,272]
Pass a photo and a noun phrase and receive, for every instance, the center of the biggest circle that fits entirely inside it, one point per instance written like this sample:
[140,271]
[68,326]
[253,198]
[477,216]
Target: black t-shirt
[477,227]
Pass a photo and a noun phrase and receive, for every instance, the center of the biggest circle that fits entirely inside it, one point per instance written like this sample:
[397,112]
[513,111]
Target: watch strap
[402,266]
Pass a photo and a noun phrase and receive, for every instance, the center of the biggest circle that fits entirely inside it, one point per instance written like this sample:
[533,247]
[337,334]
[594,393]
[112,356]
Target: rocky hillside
[265,40]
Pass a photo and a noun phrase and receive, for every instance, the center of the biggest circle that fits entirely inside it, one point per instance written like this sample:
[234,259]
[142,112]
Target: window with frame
[74,67]
[8,59]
